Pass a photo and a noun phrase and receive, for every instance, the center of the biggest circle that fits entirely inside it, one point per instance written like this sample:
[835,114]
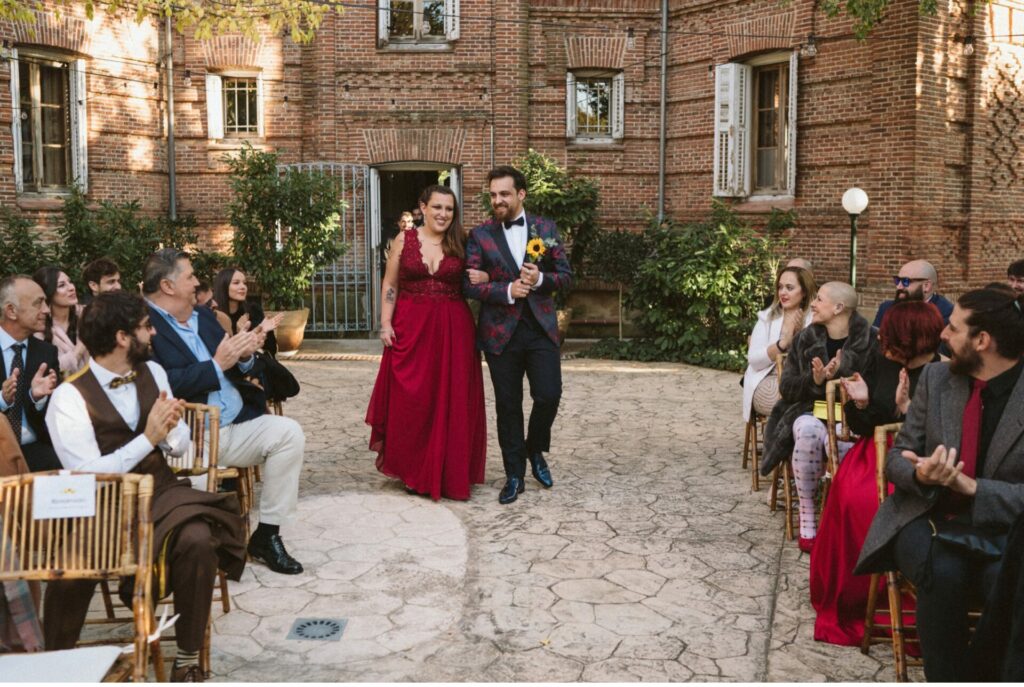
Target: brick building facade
[934,135]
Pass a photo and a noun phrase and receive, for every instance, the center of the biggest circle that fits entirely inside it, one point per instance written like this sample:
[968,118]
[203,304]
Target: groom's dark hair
[506,171]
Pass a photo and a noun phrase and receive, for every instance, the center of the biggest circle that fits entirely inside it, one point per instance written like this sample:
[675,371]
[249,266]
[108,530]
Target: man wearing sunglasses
[916,280]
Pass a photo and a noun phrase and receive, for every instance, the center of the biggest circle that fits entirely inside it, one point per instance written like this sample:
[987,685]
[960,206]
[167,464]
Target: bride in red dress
[426,412]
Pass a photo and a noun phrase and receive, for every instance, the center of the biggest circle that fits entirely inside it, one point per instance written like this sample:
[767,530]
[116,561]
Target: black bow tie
[521,221]
[121,381]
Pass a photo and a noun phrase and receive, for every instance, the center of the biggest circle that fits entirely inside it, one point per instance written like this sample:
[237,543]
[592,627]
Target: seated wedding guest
[837,343]
[100,275]
[1015,276]
[773,334]
[916,280]
[204,295]
[62,321]
[30,369]
[116,416]
[205,365]
[229,293]
[958,470]
[908,340]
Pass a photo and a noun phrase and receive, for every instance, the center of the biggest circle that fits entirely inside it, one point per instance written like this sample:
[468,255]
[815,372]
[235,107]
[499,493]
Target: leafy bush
[616,256]
[286,225]
[561,195]
[23,251]
[697,292]
[117,231]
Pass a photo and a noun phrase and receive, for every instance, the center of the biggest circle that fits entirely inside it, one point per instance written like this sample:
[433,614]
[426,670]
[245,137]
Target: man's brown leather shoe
[190,673]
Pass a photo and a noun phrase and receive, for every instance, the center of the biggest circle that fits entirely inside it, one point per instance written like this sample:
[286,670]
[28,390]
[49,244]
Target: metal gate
[342,293]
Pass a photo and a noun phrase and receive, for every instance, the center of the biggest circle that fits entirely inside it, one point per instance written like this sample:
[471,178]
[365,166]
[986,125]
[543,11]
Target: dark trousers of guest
[531,352]
[192,571]
[949,581]
[40,457]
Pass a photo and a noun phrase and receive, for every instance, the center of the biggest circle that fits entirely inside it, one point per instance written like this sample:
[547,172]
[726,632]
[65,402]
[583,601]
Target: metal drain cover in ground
[323,629]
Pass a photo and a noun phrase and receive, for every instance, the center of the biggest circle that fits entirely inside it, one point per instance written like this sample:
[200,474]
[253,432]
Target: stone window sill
[756,204]
[595,145]
[42,201]
[412,47]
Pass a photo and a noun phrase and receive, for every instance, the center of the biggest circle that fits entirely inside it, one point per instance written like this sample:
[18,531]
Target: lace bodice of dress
[415,279]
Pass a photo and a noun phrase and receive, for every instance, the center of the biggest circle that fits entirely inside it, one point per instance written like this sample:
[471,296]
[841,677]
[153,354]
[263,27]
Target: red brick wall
[932,135]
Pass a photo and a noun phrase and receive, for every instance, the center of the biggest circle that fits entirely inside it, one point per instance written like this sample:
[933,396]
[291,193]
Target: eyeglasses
[906,281]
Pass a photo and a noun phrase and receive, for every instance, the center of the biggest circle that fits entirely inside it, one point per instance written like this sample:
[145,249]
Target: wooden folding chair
[116,542]
[782,479]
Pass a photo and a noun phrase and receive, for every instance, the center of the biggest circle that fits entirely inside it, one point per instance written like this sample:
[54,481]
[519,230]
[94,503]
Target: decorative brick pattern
[774,32]
[431,145]
[231,51]
[66,33]
[1005,117]
[595,52]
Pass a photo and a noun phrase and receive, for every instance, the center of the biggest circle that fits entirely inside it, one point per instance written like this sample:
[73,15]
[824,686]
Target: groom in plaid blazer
[518,329]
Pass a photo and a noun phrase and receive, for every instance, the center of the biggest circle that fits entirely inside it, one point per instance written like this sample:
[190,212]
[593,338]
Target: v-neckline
[423,258]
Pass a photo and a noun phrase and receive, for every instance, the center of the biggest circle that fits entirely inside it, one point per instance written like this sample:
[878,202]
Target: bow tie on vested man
[521,221]
[121,381]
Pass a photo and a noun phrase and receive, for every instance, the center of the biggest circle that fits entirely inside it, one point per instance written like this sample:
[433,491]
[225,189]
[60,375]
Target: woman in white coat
[776,327]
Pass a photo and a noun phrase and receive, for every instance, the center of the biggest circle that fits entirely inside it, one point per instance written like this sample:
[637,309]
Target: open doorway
[397,190]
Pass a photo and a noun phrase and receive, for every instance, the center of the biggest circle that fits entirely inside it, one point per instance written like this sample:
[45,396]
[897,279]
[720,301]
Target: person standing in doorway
[518,329]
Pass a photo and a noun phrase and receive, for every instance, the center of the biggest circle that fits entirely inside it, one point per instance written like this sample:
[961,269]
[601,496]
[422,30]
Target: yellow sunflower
[535,249]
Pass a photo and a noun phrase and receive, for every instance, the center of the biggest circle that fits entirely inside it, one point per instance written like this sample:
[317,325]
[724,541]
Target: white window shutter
[791,126]
[214,107]
[260,109]
[570,105]
[79,125]
[451,19]
[732,134]
[619,106]
[12,64]
[383,22]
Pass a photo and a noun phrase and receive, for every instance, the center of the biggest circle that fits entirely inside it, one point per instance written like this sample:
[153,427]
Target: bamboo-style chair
[116,542]
[838,430]
[896,632]
[782,479]
[753,437]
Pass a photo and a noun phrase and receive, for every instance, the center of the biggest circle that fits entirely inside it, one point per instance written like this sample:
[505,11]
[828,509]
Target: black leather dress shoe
[539,468]
[511,491]
[270,550]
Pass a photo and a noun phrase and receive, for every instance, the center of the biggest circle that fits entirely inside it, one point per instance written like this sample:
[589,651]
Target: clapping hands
[856,388]
[903,392]
[234,348]
[822,372]
[163,417]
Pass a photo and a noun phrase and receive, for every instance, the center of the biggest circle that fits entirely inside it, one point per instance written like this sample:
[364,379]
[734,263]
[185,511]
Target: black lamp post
[855,201]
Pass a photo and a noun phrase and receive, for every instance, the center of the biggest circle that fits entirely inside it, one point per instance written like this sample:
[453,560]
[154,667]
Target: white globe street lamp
[855,201]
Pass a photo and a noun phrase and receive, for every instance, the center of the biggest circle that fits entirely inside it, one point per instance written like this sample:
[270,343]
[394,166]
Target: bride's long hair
[454,241]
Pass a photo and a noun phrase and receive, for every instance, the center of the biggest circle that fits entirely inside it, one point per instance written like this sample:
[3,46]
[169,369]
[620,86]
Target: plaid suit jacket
[488,250]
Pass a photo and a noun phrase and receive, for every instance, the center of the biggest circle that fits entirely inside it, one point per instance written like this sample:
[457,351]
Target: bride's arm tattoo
[389,295]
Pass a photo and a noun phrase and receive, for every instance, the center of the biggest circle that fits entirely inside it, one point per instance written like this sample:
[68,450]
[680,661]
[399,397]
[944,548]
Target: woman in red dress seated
[426,412]
[909,339]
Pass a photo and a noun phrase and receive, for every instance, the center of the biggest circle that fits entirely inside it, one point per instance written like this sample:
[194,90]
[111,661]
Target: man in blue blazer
[205,365]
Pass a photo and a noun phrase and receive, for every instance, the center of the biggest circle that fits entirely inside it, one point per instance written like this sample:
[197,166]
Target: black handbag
[279,383]
[967,538]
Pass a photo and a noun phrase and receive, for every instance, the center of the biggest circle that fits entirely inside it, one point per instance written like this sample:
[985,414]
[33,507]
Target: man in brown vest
[117,415]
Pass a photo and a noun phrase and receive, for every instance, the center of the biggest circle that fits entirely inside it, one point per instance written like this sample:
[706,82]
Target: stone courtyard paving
[650,559]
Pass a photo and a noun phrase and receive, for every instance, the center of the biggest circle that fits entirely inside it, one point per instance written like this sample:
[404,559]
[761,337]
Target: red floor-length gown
[426,412]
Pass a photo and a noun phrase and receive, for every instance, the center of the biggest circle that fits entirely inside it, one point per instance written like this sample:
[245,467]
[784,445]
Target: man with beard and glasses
[958,470]
[117,415]
[916,280]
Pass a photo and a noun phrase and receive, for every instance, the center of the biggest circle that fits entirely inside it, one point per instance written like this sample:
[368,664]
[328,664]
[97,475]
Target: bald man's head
[802,264]
[916,279]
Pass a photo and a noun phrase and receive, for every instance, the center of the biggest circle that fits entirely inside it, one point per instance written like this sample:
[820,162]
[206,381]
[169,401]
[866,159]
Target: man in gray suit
[958,468]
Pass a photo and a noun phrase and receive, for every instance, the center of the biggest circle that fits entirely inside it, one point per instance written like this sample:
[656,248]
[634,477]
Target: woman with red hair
[909,340]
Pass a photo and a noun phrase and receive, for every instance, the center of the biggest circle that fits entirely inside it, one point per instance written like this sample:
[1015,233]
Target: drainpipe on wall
[662,123]
[172,209]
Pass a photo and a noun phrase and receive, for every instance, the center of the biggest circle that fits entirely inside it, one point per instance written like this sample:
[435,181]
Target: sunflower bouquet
[536,247]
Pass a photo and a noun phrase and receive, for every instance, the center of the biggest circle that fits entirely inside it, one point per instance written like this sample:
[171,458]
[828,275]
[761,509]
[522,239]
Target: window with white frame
[234,105]
[755,127]
[404,23]
[594,106]
[49,123]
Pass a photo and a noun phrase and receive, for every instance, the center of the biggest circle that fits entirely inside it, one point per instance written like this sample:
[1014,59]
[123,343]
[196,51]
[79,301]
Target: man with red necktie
[958,470]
